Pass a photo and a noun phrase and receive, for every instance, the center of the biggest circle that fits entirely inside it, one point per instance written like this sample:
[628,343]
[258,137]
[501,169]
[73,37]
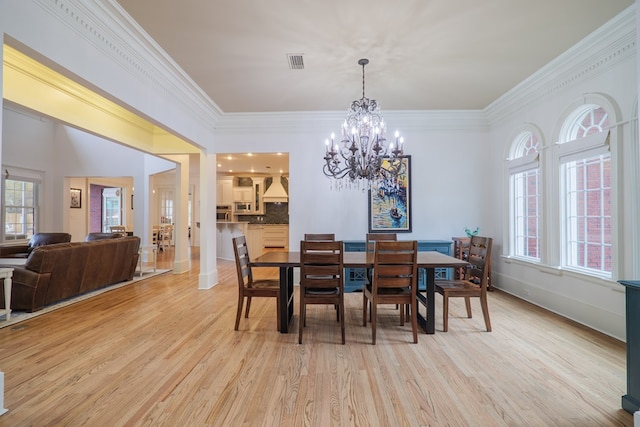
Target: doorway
[111,208]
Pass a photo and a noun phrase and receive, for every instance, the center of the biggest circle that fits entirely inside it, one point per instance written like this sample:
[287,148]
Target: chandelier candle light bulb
[364,149]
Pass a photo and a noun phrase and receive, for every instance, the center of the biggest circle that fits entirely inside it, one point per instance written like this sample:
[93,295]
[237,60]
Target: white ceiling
[270,164]
[425,54]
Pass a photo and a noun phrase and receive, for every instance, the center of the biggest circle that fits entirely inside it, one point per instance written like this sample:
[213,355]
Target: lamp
[363,148]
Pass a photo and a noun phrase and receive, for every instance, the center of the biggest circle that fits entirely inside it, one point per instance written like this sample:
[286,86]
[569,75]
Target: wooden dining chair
[321,279]
[247,286]
[374,237]
[120,229]
[474,282]
[394,281]
[165,236]
[328,237]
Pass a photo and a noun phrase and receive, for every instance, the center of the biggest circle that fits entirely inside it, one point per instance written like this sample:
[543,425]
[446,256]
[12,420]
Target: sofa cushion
[41,239]
[100,236]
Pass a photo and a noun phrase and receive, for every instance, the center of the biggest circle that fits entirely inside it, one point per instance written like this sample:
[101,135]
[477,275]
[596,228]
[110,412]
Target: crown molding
[603,49]
[328,121]
[107,26]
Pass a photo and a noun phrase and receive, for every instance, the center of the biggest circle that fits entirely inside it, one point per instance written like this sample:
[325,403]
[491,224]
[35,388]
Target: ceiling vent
[296,61]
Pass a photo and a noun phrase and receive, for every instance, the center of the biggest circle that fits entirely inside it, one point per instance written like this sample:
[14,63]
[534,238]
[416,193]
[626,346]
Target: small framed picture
[76,198]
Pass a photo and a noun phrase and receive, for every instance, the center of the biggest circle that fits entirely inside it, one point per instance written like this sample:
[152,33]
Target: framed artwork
[76,198]
[390,202]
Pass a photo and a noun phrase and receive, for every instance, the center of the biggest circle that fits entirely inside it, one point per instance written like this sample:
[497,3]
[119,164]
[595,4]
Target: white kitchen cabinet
[258,190]
[243,194]
[224,192]
[255,236]
[276,236]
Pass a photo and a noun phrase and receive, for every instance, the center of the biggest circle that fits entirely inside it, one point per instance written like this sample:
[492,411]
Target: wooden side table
[6,274]
[460,250]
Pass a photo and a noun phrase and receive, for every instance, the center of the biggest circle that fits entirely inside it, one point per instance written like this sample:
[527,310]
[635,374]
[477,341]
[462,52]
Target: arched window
[524,171]
[585,190]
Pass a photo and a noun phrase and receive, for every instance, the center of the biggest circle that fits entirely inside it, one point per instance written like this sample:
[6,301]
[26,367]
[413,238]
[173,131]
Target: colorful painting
[390,202]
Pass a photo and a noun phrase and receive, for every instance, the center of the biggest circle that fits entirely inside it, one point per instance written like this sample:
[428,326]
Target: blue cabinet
[631,400]
[356,277]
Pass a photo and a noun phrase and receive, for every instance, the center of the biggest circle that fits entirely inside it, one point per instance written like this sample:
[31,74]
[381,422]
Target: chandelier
[362,158]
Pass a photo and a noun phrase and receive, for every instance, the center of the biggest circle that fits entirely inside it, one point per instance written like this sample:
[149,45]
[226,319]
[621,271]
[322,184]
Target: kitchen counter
[225,232]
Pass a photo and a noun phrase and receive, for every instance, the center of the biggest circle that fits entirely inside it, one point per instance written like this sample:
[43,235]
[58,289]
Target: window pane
[526,200]
[588,213]
[20,209]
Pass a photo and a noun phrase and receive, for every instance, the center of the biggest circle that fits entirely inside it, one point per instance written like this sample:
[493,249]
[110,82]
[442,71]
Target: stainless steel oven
[223,213]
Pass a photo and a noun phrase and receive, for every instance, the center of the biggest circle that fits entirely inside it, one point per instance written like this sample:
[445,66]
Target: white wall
[447,157]
[603,64]
[23,132]
[69,157]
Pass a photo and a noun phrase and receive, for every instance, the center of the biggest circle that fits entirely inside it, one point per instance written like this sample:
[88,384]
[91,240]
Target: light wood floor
[163,353]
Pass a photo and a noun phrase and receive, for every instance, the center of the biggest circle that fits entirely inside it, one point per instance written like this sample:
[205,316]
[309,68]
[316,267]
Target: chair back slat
[320,237]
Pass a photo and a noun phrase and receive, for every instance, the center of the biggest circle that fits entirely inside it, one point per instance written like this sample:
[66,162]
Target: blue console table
[631,400]
[356,277]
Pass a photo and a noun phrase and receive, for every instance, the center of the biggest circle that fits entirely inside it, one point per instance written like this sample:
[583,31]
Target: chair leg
[246,313]
[485,312]
[239,311]
[467,303]
[342,326]
[364,309]
[301,321]
[445,311]
[401,315]
[374,318]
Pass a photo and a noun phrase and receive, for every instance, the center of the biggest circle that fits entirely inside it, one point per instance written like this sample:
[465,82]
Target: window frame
[518,164]
[579,150]
[22,175]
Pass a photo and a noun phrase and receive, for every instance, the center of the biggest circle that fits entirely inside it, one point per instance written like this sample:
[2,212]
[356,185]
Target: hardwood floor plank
[161,352]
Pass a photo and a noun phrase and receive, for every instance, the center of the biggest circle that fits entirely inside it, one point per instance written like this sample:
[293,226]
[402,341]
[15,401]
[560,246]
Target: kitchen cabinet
[276,236]
[258,190]
[224,192]
[255,237]
[243,194]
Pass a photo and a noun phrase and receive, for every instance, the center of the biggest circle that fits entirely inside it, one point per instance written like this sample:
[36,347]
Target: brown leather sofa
[38,239]
[53,273]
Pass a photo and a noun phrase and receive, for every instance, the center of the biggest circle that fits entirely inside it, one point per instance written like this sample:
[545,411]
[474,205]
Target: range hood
[276,192]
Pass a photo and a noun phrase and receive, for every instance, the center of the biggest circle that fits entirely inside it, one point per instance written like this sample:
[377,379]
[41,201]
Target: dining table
[287,261]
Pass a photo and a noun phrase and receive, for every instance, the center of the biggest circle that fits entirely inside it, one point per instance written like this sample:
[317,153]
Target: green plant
[471,233]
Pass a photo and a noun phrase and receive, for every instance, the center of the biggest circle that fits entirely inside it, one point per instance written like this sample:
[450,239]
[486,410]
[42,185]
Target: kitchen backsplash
[275,213]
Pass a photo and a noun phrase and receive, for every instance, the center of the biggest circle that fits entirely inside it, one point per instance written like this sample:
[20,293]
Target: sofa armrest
[29,289]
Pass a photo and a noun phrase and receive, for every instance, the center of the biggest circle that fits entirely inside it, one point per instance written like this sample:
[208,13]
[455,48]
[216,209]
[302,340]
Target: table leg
[286,298]
[428,323]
